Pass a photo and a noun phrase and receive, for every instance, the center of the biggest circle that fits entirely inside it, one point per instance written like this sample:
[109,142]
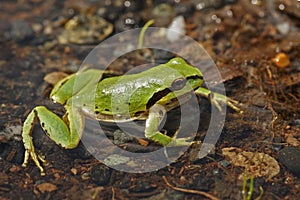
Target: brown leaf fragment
[46,187]
[53,77]
[254,163]
[290,139]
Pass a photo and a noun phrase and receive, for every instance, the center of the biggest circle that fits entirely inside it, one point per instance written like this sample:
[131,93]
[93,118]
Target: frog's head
[180,78]
[189,77]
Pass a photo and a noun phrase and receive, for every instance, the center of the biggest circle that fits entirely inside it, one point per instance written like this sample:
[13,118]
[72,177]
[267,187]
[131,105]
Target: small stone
[295,122]
[85,29]
[177,29]
[283,28]
[163,14]
[281,60]
[127,22]
[224,163]
[290,157]
[133,6]
[74,171]
[21,31]
[120,137]
[115,159]
[12,132]
[100,174]
[184,8]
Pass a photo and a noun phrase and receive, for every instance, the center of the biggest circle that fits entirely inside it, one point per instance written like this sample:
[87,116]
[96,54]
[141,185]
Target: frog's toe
[235,107]
[35,157]
[181,142]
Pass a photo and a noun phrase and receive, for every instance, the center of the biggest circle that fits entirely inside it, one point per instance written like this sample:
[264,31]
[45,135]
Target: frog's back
[136,93]
[128,94]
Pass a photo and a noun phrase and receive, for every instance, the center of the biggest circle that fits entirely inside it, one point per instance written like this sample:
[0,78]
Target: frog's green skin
[143,96]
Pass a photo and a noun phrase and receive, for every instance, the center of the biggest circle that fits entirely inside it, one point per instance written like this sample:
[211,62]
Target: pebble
[12,132]
[127,21]
[100,174]
[290,157]
[21,31]
[283,28]
[184,8]
[133,5]
[109,12]
[281,60]
[295,122]
[115,159]
[85,29]
[177,29]
[120,137]
[163,15]
[224,163]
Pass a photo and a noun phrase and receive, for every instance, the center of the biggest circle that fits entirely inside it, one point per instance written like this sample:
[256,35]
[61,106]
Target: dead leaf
[46,187]
[54,77]
[254,163]
[290,139]
[143,142]
[74,171]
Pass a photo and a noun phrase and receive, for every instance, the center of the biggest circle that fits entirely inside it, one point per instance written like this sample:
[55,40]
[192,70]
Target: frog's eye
[178,84]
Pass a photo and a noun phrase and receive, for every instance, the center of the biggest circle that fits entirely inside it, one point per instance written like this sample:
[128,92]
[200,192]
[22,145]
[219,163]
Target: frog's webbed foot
[166,140]
[217,99]
[156,115]
[30,153]
[187,141]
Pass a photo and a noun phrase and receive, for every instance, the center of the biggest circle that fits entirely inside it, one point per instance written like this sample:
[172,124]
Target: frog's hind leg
[65,133]
[156,115]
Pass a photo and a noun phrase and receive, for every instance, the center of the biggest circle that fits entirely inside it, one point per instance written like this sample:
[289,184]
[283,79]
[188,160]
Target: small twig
[261,193]
[275,117]
[189,191]
[142,34]
[113,193]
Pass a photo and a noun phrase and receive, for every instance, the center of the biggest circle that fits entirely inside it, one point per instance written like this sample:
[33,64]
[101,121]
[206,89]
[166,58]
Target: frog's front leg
[217,98]
[156,115]
[65,132]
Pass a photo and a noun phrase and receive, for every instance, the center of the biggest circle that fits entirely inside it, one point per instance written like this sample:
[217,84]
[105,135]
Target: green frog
[147,95]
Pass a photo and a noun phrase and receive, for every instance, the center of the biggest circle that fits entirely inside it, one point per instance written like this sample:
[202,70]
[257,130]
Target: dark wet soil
[256,47]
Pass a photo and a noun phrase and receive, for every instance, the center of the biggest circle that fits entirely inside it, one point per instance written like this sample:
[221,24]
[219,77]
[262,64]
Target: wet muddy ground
[256,48]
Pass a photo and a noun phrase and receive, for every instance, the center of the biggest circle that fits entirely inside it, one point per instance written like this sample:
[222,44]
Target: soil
[256,47]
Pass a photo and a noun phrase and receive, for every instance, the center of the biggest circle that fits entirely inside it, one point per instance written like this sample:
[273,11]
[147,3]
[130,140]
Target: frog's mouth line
[158,95]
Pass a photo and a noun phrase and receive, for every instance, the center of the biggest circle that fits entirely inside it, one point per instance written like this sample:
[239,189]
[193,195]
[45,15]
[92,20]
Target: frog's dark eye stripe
[195,77]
